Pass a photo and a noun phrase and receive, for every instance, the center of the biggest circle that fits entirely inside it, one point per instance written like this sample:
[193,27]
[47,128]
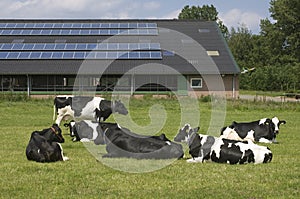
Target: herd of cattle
[236,144]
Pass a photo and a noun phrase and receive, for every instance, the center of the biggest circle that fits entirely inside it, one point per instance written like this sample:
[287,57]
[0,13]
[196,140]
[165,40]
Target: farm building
[188,57]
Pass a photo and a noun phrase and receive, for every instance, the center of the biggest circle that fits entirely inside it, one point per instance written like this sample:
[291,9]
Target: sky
[233,13]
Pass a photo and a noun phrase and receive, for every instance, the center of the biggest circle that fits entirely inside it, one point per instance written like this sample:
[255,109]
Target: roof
[185,46]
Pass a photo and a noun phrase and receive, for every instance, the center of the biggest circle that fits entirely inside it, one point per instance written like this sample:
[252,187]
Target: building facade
[187,57]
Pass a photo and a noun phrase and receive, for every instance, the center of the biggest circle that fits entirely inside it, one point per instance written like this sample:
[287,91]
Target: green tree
[206,12]
[286,14]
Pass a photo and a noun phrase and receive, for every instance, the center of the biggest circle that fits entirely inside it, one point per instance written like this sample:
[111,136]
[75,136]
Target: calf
[44,146]
[208,148]
[121,142]
[264,130]
[85,108]
[86,131]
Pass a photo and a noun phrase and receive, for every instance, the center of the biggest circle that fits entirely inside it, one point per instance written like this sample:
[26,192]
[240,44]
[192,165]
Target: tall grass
[88,176]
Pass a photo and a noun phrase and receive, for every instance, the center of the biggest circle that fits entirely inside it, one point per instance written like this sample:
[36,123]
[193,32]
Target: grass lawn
[87,175]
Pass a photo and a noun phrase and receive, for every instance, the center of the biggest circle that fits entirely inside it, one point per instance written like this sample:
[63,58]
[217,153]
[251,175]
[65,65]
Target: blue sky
[232,12]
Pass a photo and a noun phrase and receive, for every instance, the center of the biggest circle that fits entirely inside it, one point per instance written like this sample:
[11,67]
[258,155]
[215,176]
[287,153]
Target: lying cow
[264,130]
[208,148]
[85,131]
[44,146]
[121,142]
[85,108]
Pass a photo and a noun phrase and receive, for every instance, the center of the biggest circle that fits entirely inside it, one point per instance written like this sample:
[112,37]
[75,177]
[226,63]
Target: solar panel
[3,55]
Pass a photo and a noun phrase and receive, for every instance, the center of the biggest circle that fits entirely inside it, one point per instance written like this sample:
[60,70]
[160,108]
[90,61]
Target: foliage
[206,12]
[274,53]
[85,177]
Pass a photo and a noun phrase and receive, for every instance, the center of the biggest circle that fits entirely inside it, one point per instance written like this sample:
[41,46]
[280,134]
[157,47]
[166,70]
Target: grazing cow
[86,131]
[208,148]
[85,108]
[264,130]
[121,142]
[44,146]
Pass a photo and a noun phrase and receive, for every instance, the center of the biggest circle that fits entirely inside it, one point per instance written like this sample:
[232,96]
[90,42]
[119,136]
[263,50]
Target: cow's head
[276,123]
[71,126]
[272,126]
[119,107]
[185,132]
[54,134]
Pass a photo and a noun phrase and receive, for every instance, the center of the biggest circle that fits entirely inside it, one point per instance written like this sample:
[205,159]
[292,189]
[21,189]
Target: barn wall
[210,86]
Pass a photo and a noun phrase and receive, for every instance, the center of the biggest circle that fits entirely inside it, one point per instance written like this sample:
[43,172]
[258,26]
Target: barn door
[181,85]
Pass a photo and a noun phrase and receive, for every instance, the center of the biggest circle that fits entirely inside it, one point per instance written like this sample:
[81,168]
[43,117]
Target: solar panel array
[80,51]
[79,46]
[76,25]
[81,55]
[9,51]
[78,29]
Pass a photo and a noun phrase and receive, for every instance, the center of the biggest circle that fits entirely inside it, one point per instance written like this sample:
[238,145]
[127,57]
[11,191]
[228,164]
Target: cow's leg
[64,158]
[195,160]
[264,140]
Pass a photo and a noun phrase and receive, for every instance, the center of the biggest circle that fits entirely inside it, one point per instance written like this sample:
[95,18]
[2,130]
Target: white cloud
[151,5]
[235,18]
[172,15]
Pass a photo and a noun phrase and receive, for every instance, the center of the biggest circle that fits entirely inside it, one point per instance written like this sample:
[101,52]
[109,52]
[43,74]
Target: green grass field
[90,176]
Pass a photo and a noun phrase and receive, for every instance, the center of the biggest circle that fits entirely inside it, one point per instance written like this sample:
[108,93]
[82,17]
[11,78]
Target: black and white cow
[44,146]
[204,148]
[85,108]
[86,131]
[264,130]
[121,142]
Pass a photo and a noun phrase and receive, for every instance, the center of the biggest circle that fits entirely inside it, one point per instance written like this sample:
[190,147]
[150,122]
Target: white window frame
[196,79]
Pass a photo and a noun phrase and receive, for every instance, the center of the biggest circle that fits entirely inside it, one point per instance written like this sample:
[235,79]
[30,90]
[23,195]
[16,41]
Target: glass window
[196,82]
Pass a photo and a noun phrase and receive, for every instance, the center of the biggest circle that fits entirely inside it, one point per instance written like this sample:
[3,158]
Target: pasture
[85,176]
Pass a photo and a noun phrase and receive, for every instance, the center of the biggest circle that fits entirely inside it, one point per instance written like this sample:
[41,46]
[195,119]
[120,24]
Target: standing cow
[264,130]
[44,146]
[85,108]
[204,148]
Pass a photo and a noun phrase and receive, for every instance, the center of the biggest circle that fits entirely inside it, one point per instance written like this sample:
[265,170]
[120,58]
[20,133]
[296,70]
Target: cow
[264,130]
[204,148]
[121,142]
[85,108]
[44,146]
[85,131]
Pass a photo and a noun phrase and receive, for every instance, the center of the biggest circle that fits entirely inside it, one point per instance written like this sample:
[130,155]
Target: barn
[134,57]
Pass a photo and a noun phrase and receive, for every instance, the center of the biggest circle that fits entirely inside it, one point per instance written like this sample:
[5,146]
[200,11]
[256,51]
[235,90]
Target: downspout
[28,85]
[233,86]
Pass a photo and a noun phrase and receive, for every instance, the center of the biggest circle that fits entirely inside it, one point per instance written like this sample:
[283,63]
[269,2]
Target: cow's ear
[196,129]
[282,122]
[268,121]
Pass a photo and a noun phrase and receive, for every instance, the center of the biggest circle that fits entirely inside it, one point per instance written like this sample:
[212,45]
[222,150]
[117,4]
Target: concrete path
[267,98]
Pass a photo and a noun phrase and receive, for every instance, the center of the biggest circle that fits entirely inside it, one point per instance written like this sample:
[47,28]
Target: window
[196,82]
[212,53]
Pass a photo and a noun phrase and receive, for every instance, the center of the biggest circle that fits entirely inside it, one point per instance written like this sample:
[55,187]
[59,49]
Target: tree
[206,12]
[286,14]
